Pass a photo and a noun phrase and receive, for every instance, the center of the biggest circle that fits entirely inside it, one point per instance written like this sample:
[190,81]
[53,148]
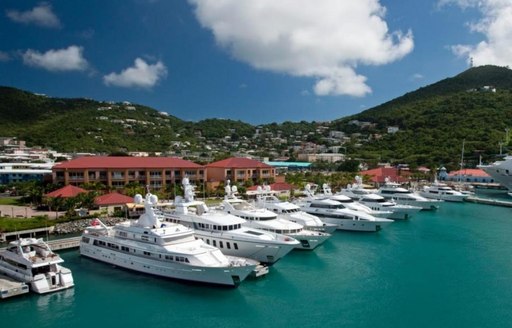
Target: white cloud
[69,59]
[325,39]
[142,75]
[417,76]
[41,15]
[495,25]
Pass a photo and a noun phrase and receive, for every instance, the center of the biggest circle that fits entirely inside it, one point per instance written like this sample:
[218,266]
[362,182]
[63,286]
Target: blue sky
[259,61]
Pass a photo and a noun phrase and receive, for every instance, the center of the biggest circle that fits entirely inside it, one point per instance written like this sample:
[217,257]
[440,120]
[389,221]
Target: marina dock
[10,287]
[488,201]
[25,233]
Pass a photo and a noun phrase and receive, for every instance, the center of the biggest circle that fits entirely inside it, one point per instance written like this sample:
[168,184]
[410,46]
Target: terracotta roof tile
[66,192]
[113,198]
[123,162]
[239,162]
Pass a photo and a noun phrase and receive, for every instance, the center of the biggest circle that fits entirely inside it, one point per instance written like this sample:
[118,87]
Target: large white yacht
[348,202]
[291,212]
[501,172]
[379,203]
[31,260]
[392,190]
[164,249]
[226,231]
[369,198]
[264,219]
[331,211]
[334,212]
[442,191]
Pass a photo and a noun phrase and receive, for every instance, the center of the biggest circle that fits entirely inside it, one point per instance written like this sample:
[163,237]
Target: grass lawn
[9,201]
[18,224]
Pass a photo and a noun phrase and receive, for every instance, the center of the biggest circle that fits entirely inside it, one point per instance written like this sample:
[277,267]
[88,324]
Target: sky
[258,61]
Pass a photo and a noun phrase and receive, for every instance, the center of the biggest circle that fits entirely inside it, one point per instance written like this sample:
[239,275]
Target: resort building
[465,175]
[21,172]
[116,172]
[238,169]
[379,175]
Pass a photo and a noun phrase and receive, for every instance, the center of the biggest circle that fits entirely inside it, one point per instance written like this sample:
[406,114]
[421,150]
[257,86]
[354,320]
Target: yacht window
[221,245]
[147,253]
[225,228]
[208,241]
[254,233]
[214,227]
[228,245]
[236,245]
[169,257]
[85,239]
[214,243]
[230,227]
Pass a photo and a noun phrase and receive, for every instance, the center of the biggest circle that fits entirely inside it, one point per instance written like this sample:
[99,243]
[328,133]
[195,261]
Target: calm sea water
[448,268]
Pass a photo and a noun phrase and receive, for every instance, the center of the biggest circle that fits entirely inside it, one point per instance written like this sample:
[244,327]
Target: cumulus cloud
[142,75]
[495,25]
[325,40]
[69,59]
[41,15]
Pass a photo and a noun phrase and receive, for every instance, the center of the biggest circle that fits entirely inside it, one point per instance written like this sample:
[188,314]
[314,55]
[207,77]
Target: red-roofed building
[466,175]
[68,191]
[112,202]
[239,169]
[114,198]
[379,175]
[157,172]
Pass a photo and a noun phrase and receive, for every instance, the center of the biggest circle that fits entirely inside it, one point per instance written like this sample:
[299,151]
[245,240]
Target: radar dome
[153,199]
[138,199]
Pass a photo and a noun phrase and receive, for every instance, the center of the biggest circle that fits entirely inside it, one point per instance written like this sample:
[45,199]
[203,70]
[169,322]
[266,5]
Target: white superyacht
[226,231]
[334,212]
[291,212]
[31,260]
[400,195]
[163,249]
[442,191]
[264,219]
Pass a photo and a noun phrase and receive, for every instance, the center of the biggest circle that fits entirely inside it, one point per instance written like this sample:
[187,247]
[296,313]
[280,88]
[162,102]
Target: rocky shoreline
[80,225]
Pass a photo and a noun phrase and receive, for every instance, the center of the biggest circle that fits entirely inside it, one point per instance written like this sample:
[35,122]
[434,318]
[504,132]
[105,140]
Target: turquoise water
[448,268]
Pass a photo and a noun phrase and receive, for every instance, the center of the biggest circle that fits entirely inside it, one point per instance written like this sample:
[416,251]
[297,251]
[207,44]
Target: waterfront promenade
[16,211]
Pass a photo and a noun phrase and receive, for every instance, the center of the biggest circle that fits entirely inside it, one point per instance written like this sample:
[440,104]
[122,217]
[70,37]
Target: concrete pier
[10,287]
[488,201]
[25,233]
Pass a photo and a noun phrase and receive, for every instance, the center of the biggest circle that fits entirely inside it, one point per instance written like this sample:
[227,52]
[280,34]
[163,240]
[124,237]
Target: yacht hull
[226,276]
[310,241]
[264,252]
[356,225]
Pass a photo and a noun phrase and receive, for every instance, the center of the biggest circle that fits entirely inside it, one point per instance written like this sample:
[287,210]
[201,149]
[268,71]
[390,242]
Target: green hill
[433,122]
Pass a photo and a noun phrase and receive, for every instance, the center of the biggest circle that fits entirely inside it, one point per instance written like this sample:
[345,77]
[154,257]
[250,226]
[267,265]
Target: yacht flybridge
[164,249]
[227,232]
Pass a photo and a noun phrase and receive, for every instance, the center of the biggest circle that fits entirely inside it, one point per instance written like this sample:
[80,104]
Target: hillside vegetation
[433,123]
